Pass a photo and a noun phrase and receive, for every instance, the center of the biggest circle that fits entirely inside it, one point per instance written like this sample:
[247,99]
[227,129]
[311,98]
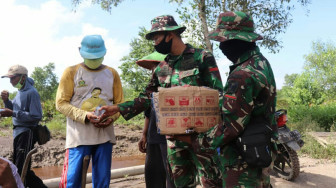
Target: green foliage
[104,4]
[49,110]
[306,124]
[5,122]
[306,90]
[271,17]
[323,115]
[130,93]
[133,75]
[315,150]
[290,79]
[136,123]
[321,63]
[310,96]
[57,126]
[317,83]
[282,100]
[45,81]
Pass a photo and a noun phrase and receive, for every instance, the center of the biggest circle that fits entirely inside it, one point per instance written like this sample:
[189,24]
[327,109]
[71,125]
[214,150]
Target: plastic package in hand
[99,113]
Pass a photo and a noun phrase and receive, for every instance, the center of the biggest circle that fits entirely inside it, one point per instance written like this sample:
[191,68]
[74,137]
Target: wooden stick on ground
[84,169]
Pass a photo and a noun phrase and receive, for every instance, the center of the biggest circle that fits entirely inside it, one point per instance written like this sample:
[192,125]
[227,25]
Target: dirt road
[314,173]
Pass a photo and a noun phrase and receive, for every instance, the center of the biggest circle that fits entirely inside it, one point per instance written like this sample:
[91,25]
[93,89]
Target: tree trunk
[204,27]
[224,5]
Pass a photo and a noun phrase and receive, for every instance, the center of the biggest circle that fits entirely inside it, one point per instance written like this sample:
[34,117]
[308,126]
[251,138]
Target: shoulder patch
[232,87]
[230,96]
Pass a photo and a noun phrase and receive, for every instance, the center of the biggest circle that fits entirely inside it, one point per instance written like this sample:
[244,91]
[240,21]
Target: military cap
[150,61]
[234,25]
[164,23]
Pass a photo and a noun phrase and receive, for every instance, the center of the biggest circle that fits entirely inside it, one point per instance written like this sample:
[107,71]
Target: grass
[57,126]
[136,123]
[316,150]
[305,125]
[5,122]
[5,133]
[311,147]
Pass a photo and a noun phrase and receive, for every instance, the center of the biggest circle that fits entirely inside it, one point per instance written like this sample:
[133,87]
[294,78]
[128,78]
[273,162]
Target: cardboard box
[183,110]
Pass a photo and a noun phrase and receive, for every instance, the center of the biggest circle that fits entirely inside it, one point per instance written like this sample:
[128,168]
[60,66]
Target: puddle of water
[120,162]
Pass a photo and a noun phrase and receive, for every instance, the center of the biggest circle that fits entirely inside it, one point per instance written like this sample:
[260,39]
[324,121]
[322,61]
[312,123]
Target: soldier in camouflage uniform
[249,93]
[184,65]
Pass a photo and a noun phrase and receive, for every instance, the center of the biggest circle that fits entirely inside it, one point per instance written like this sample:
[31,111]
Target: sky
[35,33]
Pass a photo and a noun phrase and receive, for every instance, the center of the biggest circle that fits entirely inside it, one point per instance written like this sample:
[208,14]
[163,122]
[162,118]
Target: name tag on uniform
[187,73]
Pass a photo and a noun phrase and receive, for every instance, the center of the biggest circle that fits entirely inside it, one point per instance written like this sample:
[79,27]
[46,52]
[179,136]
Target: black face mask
[233,49]
[164,47]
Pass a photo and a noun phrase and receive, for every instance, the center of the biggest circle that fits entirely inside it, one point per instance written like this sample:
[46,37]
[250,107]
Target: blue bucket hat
[92,47]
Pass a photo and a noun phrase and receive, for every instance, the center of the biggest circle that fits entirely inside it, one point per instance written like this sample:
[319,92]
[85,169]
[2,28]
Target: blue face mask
[19,85]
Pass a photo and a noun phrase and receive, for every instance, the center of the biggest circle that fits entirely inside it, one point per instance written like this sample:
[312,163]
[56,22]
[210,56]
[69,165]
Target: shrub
[57,126]
[315,150]
[324,115]
[305,125]
[6,122]
[135,123]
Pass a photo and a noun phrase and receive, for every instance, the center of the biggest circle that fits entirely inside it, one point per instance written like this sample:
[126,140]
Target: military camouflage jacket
[250,92]
[195,67]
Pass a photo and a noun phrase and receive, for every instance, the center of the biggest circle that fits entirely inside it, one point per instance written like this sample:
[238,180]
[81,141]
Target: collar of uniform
[245,56]
[188,50]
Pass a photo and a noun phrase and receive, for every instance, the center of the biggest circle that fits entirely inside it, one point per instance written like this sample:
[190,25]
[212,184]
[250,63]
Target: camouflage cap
[164,23]
[234,25]
[151,61]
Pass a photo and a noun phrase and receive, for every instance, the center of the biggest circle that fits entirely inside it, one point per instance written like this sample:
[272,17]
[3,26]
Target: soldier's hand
[4,95]
[6,112]
[142,143]
[104,123]
[109,111]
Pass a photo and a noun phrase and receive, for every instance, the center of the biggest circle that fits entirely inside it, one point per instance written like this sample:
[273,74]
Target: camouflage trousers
[187,165]
[237,174]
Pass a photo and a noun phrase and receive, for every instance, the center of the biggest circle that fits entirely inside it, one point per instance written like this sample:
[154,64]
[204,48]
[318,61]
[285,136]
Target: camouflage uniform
[249,92]
[195,67]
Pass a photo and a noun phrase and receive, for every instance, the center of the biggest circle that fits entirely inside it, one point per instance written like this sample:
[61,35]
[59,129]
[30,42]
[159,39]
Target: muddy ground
[313,173]
[52,153]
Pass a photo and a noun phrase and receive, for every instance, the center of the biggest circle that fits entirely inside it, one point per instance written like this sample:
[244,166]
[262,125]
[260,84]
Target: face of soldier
[233,49]
[162,44]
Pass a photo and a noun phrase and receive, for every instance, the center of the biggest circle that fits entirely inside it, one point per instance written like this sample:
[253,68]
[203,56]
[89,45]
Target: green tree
[104,4]
[272,17]
[321,63]
[288,85]
[133,75]
[306,91]
[290,79]
[45,81]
